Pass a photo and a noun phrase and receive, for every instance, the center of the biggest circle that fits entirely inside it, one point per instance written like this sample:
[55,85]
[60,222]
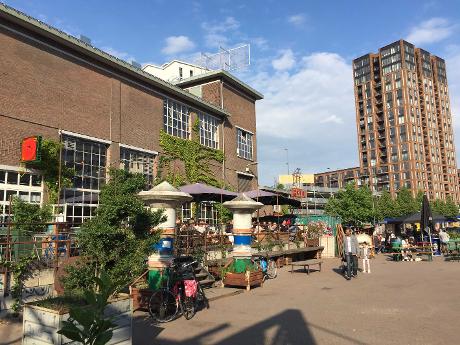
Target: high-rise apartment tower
[404,122]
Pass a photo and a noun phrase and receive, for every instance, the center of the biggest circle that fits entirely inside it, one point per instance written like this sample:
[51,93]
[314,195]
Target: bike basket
[191,287]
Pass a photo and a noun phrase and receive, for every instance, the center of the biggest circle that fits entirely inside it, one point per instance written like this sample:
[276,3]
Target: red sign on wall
[297,193]
[31,149]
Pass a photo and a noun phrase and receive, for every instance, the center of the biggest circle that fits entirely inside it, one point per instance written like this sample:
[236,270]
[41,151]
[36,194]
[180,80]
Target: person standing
[444,239]
[350,249]
[366,264]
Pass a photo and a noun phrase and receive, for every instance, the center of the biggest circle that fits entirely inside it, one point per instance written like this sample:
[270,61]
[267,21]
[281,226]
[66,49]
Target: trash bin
[436,245]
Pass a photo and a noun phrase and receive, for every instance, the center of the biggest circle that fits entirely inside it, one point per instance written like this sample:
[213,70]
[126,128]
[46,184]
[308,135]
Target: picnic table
[413,250]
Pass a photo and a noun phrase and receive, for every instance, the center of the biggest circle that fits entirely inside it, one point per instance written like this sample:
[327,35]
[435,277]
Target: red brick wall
[43,90]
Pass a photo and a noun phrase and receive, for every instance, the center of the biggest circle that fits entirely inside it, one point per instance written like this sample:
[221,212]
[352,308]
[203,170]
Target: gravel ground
[398,303]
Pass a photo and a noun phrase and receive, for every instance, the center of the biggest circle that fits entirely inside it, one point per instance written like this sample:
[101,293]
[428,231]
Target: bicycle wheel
[187,306]
[272,269]
[163,305]
[201,299]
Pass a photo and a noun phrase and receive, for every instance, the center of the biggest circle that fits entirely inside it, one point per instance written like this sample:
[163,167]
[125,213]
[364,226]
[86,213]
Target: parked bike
[182,295]
[268,266]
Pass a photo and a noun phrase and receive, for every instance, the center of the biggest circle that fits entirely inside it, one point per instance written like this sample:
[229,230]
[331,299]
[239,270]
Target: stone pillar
[166,197]
[242,207]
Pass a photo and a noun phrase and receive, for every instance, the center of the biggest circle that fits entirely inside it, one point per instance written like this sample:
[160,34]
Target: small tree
[353,205]
[120,237]
[29,218]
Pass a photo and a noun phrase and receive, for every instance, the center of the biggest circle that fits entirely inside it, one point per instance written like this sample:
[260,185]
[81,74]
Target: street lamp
[287,160]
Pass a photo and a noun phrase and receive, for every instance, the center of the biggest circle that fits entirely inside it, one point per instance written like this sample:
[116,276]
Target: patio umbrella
[203,192]
[270,198]
[426,217]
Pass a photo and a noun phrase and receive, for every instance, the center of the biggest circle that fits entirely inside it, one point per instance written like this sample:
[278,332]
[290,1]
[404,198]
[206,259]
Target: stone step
[207,282]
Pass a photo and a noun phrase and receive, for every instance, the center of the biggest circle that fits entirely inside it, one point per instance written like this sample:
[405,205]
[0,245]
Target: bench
[306,264]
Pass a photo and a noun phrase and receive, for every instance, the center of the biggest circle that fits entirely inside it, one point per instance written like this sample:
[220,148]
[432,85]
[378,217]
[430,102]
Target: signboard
[31,149]
[298,193]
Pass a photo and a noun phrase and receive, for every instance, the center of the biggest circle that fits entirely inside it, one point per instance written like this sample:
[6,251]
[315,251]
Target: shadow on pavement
[286,328]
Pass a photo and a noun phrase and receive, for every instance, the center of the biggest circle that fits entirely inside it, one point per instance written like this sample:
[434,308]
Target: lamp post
[287,160]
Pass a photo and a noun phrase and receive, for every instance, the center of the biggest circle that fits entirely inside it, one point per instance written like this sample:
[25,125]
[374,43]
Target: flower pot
[40,324]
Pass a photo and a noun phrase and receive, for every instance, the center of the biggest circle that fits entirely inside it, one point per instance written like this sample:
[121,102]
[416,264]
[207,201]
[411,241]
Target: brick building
[404,121]
[109,113]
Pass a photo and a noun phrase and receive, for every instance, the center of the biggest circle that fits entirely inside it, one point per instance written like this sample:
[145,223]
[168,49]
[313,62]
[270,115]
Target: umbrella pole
[431,243]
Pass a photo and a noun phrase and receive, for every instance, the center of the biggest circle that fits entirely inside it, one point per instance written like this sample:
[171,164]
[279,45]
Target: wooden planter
[141,298]
[40,325]
[248,279]
[312,242]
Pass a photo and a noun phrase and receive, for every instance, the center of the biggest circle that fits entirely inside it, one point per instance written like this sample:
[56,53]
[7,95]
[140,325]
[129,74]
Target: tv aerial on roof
[227,59]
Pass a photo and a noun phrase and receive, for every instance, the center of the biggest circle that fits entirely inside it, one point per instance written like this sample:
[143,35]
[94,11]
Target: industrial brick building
[109,113]
[404,124]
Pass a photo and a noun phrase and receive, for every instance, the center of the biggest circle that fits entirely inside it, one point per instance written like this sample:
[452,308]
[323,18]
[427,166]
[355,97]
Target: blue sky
[301,53]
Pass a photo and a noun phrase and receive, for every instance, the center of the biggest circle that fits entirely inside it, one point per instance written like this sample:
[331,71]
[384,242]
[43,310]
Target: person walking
[444,239]
[350,248]
[366,264]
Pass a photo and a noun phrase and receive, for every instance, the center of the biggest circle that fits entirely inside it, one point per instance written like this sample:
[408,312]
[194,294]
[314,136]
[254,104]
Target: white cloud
[431,31]
[216,33]
[310,112]
[285,62]
[177,44]
[297,19]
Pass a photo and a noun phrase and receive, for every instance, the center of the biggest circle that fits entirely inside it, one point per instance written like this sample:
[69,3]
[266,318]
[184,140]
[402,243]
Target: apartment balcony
[379,110]
[381,128]
[380,119]
[382,170]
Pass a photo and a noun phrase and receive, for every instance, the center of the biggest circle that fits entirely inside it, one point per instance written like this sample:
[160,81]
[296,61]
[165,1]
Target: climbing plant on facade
[49,169]
[195,157]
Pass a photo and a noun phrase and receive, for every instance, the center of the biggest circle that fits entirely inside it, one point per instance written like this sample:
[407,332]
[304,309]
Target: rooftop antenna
[227,59]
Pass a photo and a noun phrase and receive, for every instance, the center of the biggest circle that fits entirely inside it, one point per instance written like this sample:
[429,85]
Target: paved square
[398,303]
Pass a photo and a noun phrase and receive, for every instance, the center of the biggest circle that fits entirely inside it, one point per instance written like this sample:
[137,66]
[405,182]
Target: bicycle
[268,266]
[184,297]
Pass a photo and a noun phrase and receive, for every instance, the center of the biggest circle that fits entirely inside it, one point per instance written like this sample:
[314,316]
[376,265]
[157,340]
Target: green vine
[195,157]
[22,270]
[49,169]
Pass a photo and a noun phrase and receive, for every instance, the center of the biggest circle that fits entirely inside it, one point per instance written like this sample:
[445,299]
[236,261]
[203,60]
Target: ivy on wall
[49,169]
[195,157]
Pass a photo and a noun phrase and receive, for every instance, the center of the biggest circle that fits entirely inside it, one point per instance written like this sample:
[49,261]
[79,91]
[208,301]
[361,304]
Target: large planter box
[40,325]
[141,298]
[248,279]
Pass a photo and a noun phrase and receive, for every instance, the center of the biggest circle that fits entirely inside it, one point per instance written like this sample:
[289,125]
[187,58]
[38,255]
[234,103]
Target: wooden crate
[248,279]
[140,298]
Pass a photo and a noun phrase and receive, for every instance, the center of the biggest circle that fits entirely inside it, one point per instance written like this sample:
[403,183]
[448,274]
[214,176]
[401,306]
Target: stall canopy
[415,218]
[270,198]
[203,192]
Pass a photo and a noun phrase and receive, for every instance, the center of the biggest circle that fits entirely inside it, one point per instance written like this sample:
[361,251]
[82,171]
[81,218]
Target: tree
[119,238]
[385,206]
[446,208]
[405,203]
[29,218]
[353,205]
[451,208]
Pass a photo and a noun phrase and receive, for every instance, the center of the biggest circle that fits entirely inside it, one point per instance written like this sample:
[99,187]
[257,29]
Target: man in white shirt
[350,251]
